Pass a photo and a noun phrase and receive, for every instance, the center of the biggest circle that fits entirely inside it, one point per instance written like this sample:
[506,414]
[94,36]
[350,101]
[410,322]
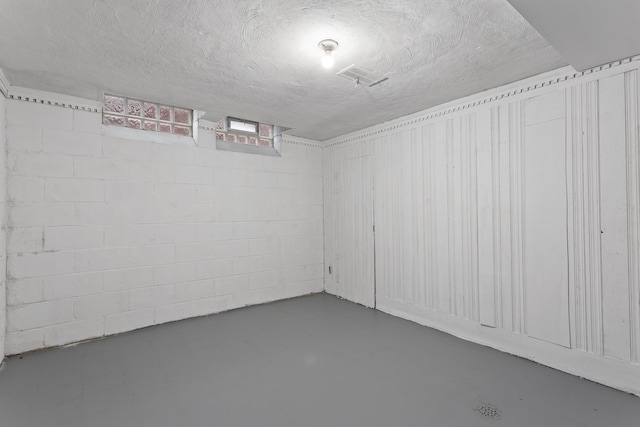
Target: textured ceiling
[259,59]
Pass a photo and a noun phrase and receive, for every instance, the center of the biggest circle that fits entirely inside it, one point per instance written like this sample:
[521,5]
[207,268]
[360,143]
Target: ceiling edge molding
[498,94]
[55,99]
[4,84]
[290,139]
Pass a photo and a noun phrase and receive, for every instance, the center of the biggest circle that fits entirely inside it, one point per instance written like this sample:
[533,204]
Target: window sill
[147,136]
[249,149]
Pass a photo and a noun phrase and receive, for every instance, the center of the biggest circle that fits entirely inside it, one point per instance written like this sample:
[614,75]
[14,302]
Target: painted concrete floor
[310,361]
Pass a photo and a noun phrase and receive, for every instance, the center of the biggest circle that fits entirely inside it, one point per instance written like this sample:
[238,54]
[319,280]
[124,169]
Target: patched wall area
[107,234]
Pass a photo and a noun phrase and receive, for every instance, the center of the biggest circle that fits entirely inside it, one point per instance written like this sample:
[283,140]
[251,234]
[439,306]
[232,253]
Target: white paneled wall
[108,234]
[3,225]
[510,218]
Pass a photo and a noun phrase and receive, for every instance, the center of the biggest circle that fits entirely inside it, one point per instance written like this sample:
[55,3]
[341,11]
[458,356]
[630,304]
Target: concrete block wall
[107,234]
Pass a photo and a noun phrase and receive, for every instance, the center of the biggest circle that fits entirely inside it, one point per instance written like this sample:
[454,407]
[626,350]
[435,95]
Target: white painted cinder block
[79,330]
[152,297]
[22,341]
[108,234]
[72,285]
[87,121]
[127,278]
[152,255]
[195,290]
[25,291]
[25,239]
[38,115]
[26,189]
[35,214]
[23,138]
[38,164]
[214,268]
[174,273]
[39,264]
[38,315]
[128,321]
[100,168]
[73,237]
[101,259]
[71,142]
[100,305]
[73,190]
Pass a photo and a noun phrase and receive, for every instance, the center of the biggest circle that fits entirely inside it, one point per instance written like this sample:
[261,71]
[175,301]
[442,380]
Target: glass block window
[136,114]
[242,131]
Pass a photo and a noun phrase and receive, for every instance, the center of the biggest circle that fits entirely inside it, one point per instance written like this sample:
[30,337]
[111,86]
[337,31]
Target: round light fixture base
[328,45]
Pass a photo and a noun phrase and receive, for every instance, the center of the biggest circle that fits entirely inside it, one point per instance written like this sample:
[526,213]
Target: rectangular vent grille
[361,76]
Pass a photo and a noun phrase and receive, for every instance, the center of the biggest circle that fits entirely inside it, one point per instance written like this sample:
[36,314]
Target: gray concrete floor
[310,361]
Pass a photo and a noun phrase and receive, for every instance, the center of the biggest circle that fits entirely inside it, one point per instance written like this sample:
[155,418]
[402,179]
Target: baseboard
[610,372]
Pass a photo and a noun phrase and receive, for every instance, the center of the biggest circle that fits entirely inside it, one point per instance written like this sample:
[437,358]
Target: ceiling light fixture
[328,46]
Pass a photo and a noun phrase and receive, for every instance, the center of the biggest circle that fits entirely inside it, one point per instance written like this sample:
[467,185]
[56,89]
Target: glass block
[135,107]
[114,104]
[152,126]
[164,127]
[165,113]
[150,111]
[220,125]
[253,141]
[242,139]
[220,136]
[264,142]
[265,131]
[182,116]
[231,137]
[134,123]
[113,120]
[182,130]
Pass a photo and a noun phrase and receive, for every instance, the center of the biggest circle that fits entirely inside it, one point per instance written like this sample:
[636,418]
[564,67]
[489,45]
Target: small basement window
[242,131]
[143,115]
[244,126]
[234,134]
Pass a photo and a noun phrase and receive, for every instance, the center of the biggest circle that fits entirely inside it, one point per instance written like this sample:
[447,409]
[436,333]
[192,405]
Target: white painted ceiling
[259,59]
[588,33]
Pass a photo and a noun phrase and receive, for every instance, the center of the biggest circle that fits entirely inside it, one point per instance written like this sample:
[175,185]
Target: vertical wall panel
[486,259]
[584,231]
[3,225]
[613,214]
[353,268]
[443,253]
[546,269]
[632,91]
[516,157]
[472,219]
[504,206]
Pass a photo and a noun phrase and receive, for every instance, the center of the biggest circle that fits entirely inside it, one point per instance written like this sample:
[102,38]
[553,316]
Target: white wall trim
[301,141]
[55,99]
[605,371]
[506,93]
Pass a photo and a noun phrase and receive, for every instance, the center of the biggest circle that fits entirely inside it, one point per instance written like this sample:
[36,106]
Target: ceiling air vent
[361,76]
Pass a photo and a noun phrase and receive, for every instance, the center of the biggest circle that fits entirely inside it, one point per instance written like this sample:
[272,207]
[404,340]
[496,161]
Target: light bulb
[328,46]
[327,59]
